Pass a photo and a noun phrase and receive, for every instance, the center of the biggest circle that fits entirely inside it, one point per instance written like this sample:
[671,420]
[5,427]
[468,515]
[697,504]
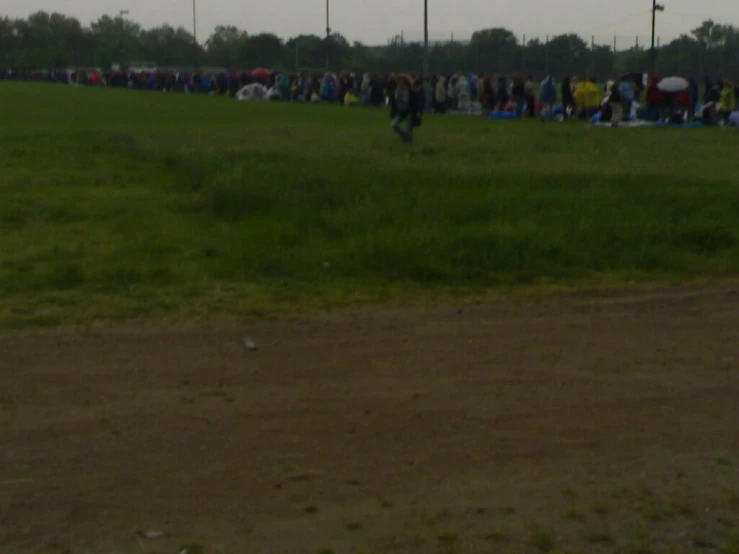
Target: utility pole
[425,38]
[653,51]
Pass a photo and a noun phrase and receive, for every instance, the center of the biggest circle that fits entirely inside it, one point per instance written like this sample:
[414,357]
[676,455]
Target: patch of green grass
[620,493]
[730,547]
[542,540]
[448,538]
[683,508]
[496,535]
[653,511]
[642,543]
[600,508]
[119,204]
[433,519]
[700,541]
[568,493]
[311,509]
[728,522]
[574,513]
[598,536]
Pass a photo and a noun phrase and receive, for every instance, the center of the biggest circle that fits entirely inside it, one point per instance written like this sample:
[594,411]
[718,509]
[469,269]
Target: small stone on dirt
[250,345]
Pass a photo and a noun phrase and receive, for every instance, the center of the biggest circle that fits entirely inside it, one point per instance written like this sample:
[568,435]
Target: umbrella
[673,84]
[261,72]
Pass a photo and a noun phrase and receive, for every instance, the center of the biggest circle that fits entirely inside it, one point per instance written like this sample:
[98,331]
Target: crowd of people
[627,97]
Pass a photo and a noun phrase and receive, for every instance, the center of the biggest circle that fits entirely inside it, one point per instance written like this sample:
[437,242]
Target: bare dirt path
[606,424]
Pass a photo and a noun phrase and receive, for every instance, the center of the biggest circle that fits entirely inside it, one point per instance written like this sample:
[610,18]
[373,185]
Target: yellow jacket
[587,96]
[728,99]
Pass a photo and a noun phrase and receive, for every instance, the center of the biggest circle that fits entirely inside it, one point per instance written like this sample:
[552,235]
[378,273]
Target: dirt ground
[583,424]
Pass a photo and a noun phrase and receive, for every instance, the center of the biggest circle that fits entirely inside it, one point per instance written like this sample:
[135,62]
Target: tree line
[55,41]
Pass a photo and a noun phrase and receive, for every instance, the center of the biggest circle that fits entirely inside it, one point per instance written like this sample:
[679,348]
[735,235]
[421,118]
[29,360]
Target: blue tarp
[503,115]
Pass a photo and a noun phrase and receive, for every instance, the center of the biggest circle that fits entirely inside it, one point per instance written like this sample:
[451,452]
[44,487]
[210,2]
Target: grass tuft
[448,538]
[575,514]
[542,540]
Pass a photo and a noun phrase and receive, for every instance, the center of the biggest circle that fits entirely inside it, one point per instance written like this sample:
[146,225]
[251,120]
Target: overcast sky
[374,21]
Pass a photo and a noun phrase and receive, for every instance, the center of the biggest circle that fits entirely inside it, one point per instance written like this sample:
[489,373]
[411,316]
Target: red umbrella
[261,72]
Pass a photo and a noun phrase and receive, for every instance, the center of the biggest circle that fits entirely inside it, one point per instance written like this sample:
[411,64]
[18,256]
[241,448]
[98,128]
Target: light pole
[653,51]
[121,14]
[425,38]
[328,26]
[328,35]
[195,32]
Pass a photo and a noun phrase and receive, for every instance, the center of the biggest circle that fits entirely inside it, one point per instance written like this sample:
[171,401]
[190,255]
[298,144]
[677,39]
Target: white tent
[253,92]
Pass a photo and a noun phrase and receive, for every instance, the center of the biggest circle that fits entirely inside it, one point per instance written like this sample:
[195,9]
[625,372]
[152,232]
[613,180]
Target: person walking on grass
[405,108]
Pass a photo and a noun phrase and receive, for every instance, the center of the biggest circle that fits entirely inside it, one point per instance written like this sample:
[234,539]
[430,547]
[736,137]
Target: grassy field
[118,204]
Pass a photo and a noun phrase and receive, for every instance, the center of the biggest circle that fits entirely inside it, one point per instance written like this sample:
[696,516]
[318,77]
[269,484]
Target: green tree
[569,54]
[305,51]
[263,50]
[45,41]
[116,41]
[168,46]
[496,50]
[225,46]
[9,42]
